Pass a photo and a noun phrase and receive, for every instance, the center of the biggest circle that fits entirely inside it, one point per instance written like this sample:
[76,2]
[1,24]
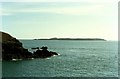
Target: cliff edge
[12,48]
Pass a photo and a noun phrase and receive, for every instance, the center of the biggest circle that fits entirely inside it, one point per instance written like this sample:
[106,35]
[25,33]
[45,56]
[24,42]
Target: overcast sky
[44,19]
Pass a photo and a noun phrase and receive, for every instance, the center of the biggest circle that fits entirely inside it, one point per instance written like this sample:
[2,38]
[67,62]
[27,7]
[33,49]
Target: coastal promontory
[12,49]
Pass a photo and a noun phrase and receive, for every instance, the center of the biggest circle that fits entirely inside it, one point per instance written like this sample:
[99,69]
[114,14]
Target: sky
[62,19]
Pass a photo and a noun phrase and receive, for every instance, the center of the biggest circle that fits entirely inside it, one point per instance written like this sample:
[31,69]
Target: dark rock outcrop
[35,48]
[12,49]
[43,53]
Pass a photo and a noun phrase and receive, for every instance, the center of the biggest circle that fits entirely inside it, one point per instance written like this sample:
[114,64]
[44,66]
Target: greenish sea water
[76,59]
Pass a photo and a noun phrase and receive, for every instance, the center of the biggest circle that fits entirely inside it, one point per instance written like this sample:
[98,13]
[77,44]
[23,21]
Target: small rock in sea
[43,53]
[35,48]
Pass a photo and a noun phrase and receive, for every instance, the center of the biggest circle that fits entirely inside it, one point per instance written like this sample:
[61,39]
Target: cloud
[74,10]
[59,1]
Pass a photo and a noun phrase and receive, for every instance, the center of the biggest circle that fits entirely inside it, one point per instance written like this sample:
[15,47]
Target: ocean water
[76,59]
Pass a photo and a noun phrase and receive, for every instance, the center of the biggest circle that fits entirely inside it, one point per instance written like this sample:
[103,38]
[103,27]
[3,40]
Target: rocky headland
[12,49]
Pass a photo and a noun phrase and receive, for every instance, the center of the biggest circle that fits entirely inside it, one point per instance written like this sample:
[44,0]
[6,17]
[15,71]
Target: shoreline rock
[12,49]
[43,53]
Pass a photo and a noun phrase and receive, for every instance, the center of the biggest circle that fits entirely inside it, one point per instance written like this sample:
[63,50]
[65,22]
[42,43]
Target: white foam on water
[16,59]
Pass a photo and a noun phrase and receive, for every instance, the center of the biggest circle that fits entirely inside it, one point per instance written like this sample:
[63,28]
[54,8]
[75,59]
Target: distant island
[82,39]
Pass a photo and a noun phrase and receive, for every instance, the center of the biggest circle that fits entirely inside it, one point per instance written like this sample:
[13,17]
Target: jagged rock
[44,48]
[43,53]
[12,48]
[35,48]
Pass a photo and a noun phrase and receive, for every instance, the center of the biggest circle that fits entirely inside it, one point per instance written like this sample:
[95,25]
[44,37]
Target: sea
[76,59]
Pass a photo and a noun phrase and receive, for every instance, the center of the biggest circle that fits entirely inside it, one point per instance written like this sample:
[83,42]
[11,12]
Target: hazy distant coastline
[91,39]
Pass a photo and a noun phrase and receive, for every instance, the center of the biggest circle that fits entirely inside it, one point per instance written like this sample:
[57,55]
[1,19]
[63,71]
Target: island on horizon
[82,39]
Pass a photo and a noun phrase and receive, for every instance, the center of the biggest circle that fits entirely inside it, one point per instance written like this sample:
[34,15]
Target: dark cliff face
[12,48]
